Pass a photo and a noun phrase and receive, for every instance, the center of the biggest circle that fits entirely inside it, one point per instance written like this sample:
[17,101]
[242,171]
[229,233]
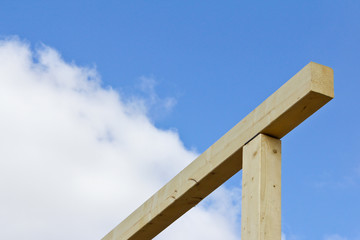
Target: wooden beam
[306,92]
[261,189]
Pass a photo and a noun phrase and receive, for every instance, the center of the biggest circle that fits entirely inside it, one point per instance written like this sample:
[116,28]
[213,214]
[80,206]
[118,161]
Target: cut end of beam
[313,87]
[322,79]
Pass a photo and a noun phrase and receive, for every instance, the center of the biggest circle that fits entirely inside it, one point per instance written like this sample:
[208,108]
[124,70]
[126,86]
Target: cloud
[148,87]
[333,180]
[289,236]
[76,157]
[145,97]
[334,237]
[215,218]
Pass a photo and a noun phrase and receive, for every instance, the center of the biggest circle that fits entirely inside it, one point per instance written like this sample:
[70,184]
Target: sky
[101,103]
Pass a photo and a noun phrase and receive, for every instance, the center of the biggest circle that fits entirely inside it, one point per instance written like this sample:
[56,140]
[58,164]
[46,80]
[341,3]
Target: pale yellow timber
[261,189]
[306,92]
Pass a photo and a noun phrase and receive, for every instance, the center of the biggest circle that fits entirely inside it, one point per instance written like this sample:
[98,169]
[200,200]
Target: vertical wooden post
[261,189]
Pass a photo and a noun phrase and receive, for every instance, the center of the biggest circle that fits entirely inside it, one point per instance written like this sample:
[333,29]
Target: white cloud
[215,218]
[334,237]
[147,99]
[76,158]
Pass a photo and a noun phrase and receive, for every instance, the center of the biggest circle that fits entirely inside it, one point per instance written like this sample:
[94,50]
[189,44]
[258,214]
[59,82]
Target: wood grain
[301,96]
[261,189]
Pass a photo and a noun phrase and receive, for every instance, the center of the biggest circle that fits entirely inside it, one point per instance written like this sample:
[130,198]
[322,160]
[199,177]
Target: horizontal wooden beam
[301,96]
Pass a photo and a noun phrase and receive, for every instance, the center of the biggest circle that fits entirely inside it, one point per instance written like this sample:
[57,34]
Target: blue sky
[214,62]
